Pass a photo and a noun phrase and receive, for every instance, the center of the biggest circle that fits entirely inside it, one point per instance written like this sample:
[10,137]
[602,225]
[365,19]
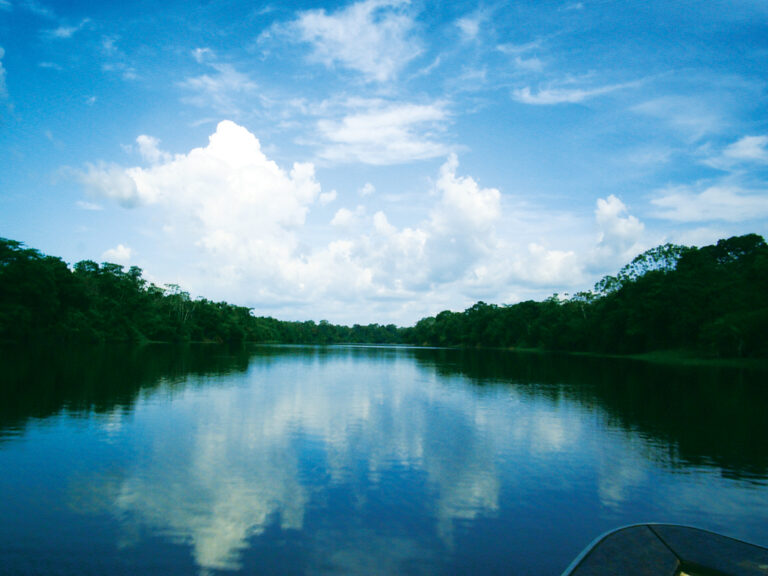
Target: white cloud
[120,254]
[37,8]
[469,26]
[66,32]
[722,202]
[237,472]
[51,66]
[370,37]
[227,207]
[518,49]
[384,133]
[554,95]
[620,233]
[367,189]
[116,59]
[464,205]
[460,232]
[528,64]
[541,266]
[748,150]
[614,224]
[327,197]
[150,151]
[3,87]
[202,55]
[345,218]
[90,206]
[114,182]
[231,224]
[691,117]
[223,91]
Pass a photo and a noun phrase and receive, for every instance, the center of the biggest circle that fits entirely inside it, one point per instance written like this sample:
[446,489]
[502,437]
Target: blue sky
[380,161]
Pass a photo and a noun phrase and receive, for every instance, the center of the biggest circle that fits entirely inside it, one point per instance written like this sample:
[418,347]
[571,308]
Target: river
[362,460]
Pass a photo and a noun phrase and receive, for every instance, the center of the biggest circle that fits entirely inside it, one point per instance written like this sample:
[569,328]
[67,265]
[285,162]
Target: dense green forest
[43,298]
[709,300]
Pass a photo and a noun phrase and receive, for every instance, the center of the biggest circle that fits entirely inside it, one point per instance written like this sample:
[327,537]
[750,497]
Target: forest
[709,301]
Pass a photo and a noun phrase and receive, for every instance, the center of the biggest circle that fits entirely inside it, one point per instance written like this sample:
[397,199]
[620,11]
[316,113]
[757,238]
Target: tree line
[711,300]
[41,297]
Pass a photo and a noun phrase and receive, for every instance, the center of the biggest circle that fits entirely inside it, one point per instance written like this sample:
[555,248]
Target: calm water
[350,460]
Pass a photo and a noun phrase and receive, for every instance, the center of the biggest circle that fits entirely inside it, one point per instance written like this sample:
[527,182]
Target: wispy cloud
[471,25]
[3,86]
[37,8]
[518,49]
[382,133]
[706,203]
[66,32]
[120,254]
[373,37]
[555,95]
[90,206]
[223,91]
[749,149]
[116,60]
[692,117]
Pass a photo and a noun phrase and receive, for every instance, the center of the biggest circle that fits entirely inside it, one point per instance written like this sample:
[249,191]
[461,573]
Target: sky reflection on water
[352,461]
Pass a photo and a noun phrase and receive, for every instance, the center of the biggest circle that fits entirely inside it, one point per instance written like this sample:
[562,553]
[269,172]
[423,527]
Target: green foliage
[40,297]
[711,300]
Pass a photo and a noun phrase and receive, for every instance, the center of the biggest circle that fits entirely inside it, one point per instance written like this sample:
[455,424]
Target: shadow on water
[704,415]
[712,416]
[41,381]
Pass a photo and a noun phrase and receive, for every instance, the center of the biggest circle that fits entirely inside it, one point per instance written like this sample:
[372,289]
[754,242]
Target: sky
[381,160]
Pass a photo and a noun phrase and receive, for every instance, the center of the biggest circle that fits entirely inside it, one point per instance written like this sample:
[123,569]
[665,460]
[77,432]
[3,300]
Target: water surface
[355,460]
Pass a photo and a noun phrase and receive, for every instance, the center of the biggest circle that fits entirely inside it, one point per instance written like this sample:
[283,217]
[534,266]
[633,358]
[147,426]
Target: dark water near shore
[354,460]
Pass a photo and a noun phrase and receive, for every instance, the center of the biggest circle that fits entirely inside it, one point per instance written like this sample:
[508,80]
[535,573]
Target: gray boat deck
[669,550]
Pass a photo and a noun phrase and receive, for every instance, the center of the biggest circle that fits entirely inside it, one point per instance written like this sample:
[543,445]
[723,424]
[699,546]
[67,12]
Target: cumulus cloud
[724,202]
[231,224]
[227,202]
[620,232]
[371,37]
[149,148]
[542,266]
[457,236]
[114,182]
[346,218]
[381,133]
[120,254]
